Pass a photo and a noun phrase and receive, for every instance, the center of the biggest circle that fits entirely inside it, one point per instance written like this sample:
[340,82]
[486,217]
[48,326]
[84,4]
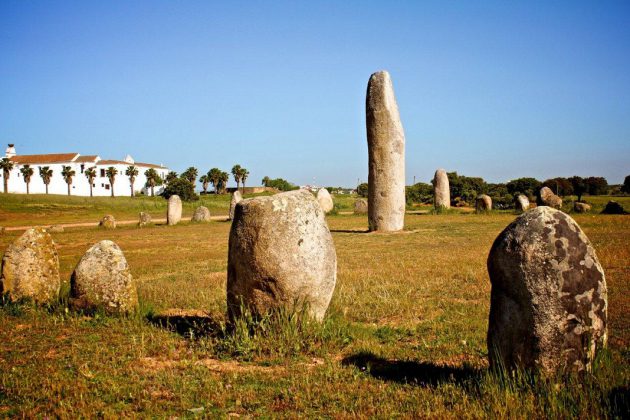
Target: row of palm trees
[68,174]
[215,177]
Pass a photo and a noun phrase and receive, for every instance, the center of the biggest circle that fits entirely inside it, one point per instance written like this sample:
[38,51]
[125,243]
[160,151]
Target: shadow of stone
[188,324]
[349,231]
[419,373]
[619,401]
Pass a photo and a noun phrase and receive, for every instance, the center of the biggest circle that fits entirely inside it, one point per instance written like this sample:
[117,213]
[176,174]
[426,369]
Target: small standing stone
[360,206]
[30,268]
[56,229]
[521,203]
[548,198]
[102,280]
[108,222]
[549,301]
[144,219]
[201,214]
[613,207]
[386,150]
[581,207]
[174,210]
[281,255]
[441,190]
[483,203]
[236,198]
[325,200]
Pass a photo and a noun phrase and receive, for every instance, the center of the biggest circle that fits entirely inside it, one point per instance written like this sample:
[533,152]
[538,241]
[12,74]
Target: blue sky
[493,89]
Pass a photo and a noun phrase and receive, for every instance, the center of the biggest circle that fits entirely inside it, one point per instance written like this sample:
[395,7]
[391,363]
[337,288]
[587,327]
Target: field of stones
[404,334]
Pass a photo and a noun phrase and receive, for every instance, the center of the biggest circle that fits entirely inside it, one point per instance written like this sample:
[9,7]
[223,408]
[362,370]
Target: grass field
[404,335]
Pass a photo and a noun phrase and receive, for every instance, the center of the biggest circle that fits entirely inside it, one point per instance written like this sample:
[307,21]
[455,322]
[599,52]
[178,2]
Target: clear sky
[494,89]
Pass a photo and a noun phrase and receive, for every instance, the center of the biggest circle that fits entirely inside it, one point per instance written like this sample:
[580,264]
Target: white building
[80,184]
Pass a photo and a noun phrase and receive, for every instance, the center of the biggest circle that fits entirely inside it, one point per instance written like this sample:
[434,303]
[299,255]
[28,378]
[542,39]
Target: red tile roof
[112,162]
[149,165]
[49,158]
[86,159]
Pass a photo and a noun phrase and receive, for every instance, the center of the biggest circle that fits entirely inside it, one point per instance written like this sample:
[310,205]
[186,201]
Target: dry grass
[405,334]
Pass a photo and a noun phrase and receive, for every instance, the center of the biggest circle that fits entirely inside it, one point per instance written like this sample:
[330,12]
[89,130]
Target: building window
[102,173]
[107,186]
[82,168]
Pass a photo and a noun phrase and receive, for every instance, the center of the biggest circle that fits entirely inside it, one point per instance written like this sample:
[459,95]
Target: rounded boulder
[201,214]
[102,280]
[281,255]
[548,300]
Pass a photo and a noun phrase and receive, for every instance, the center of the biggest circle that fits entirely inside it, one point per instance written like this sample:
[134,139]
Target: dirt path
[93,224]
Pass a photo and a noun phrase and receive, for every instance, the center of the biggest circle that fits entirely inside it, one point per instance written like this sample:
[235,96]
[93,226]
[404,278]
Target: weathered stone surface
[174,210]
[144,219]
[441,190]
[325,200]
[201,214]
[581,207]
[386,149]
[483,203]
[281,254]
[1,230]
[55,229]
[108,222]
[102,280]
[549,300]
[30,268]
[360,206]
[613,207]
[521,203]
[236,198]
[546,197]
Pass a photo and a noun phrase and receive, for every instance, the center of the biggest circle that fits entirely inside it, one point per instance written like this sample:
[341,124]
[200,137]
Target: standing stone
[441,190]
[144,219]
[281,255]
[521,203]
[30,268]
[483,203]
[548,198]
[581,207]
[108,222]
[56,229]
[102,280]
[325,200]
[174,210]
[549,301]
[236,198]
[201,214]
[360,206]
[386,149]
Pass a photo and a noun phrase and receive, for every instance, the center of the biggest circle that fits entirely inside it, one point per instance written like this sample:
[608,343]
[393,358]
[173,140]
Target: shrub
[181,187]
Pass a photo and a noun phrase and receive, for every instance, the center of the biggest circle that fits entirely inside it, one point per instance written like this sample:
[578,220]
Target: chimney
[10,152]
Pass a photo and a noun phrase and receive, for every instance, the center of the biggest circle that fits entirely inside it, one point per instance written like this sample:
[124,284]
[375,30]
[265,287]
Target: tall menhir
[386,149]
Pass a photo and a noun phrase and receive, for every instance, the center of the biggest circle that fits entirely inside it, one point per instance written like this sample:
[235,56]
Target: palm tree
[244,175]
[7,167]
[132,173]
[46,173]
[215,177]
[223,181]
[27,173]
[190,174]
[265,181]
[152,177]
[111,173]
[170,176]
[67,173]
[205,180]
[236,171]
[90,174]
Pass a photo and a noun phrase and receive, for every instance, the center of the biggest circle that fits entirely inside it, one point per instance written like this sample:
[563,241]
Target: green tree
[465,187]
[27,173]
[560,186]
[362,189]
[132,173]
[172,175]
[265,181]
[236,172]
[181,187]
[111,173]
[46,173]
[526,186]
[205,181]
[90,174]
[7,167]
[244,175]
[281,184]
[190,174]
[597,185]
[67,173]
[152,179]
[419,193]
[214,175]
[224,178]
[625,188]
[579,186]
